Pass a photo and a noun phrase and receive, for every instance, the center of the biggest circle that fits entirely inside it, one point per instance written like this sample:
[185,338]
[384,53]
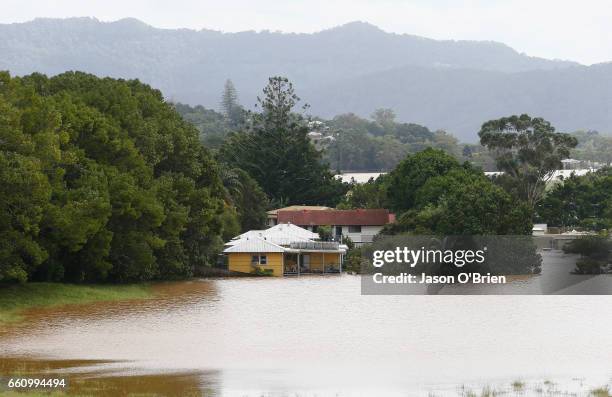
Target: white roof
[283,238]
[291,229]
[274,236]
[250,233]
[254,244]
[281,234]
[556,175]
[275,239]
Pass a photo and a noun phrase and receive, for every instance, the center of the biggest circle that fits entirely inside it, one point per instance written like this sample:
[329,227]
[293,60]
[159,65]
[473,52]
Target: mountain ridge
[191,66]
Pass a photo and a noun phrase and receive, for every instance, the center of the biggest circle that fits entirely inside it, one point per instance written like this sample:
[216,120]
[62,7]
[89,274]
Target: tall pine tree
[230,107]
[278,154]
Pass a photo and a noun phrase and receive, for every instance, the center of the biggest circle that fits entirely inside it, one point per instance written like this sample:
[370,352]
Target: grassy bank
[16,299]
[29,393]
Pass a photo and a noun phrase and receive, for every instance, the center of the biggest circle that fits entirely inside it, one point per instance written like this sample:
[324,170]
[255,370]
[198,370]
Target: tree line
[433,193]
[379,143]
[102,180]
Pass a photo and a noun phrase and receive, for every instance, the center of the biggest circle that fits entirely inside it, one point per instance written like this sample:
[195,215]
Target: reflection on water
[314,334]
[91,377]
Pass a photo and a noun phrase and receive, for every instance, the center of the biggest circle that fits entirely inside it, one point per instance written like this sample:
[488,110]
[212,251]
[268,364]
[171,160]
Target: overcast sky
[575,30]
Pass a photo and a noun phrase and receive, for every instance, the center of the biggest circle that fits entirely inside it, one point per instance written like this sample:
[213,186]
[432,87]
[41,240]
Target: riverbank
[15,300]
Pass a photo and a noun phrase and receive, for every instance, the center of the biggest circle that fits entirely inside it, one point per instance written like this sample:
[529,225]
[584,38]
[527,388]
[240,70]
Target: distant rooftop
[557,175]
[299,207]
[358,177]
[361,217]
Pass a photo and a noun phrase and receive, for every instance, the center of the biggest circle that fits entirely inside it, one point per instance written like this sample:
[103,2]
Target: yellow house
[283,250]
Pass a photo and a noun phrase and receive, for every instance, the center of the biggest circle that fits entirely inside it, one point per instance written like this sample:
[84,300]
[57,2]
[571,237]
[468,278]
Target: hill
[448,84]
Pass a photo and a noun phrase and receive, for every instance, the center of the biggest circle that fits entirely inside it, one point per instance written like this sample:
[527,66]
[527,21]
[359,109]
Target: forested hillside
[349,142]
[449,85]
[457,100]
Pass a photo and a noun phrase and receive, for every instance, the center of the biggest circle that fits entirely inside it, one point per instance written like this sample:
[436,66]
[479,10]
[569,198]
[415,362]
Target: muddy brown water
[314,335]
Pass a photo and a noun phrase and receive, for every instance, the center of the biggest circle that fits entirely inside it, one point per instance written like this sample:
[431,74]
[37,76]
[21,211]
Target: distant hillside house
[360,225]
[283,250]
[358,177]
[558,176]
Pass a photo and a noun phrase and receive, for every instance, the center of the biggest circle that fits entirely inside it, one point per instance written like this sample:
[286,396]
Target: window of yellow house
[259,260]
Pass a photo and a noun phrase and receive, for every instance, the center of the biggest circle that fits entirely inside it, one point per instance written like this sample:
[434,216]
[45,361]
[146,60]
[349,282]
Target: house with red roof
[360,225]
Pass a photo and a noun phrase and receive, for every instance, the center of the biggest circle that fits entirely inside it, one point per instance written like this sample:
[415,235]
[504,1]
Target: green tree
[230,107]
[584,201]
[593,147]
[277,153]
[103,181]
[372,194]
[361,144]
[325,232]
[24,193]
[247,197]
[481,208]
[528,150]
[213,126]
[460,203]
[434,194]
[352,149]
[413,172]
[386,119]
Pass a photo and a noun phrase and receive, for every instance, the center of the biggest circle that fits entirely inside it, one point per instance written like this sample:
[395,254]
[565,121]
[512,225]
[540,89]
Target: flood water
[315,335]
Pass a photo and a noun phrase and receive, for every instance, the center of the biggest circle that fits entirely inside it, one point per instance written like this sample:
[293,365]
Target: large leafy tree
[464,202]
[276,152]
[584,201]
[413,172]
[24,192]
[434,194]
[479,208]
[102,181]
[528,150]
[372,194]
[247,197]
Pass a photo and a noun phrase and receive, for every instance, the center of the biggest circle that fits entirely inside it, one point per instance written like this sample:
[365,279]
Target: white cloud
[549,28]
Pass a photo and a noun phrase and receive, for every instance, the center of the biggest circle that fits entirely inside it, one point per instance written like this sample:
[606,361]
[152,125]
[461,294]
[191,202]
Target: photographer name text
[423,278]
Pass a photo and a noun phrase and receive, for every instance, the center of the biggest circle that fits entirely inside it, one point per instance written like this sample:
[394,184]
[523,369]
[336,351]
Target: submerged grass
[16,299]
[518,386]
[602,392]
[29,393]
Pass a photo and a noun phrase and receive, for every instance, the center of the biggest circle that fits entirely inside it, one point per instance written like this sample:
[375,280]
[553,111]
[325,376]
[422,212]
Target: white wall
[366,235]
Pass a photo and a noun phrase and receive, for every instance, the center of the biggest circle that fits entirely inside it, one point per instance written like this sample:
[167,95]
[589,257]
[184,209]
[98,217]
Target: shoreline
[17,299]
